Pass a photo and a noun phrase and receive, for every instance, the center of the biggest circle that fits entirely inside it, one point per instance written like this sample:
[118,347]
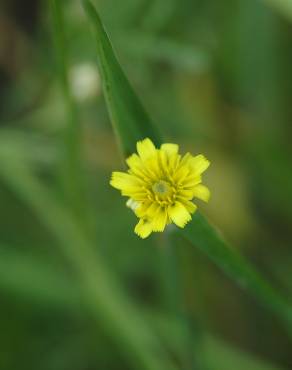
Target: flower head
[161,185]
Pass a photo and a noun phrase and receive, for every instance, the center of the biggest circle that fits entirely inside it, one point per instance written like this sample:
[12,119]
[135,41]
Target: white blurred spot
[85,81]
[132,204]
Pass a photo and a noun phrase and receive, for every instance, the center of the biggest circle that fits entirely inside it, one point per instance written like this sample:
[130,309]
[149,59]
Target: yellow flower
[161,186]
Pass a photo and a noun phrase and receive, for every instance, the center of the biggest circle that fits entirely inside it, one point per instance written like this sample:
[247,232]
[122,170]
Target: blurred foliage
[130,124]
[217,78]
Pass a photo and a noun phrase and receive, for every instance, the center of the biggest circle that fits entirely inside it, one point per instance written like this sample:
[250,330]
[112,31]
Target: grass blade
[128,116]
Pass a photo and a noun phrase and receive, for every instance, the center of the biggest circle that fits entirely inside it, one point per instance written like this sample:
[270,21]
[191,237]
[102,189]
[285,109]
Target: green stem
[175,298]
[169,280]
[71,167]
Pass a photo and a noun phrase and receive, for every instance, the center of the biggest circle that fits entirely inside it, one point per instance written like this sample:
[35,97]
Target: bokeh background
[216,77]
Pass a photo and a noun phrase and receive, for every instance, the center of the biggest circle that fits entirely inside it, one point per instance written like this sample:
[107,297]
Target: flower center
[162,189]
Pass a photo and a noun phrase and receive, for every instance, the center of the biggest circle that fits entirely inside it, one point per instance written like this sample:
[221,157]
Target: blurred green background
[216,77]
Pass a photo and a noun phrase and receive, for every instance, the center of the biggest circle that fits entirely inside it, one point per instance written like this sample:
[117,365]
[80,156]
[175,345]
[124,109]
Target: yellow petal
[190,206]
[181,174]
[133,161]
[202,192]
[191,181]
[143,228]
[173,161]
[159,220]
[186,194]
[162,161]
[178,214]
[125,181]
[146,149]
[152,210]
[169,148]
[185,159]
[141,210]
[199,164]
[137,167]
[153,167]
[135,195]
[135,164]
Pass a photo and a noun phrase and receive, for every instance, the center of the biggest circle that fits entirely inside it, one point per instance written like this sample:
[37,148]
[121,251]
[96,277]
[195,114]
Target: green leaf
[126,113]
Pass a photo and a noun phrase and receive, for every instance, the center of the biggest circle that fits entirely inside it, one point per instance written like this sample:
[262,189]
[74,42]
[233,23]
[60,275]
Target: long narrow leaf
[130,124]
